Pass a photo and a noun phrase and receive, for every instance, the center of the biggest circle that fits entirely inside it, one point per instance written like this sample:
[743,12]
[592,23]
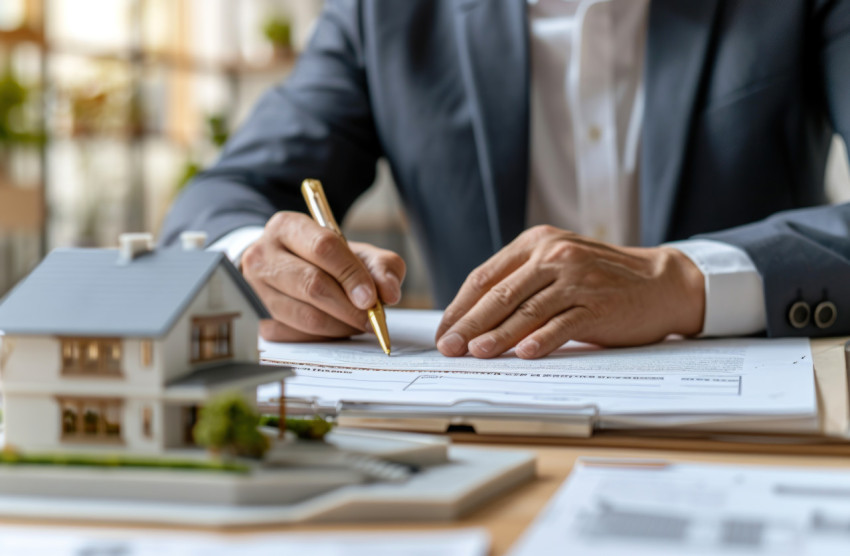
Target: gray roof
[230,372]
[87,292]
[202,383]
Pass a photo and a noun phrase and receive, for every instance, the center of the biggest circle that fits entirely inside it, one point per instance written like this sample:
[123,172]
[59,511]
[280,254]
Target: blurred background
[108,107]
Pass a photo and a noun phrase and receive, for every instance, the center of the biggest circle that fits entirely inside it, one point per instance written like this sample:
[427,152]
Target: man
[630,122]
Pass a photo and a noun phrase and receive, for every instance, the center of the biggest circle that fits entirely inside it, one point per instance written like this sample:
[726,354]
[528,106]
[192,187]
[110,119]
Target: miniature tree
[228,424]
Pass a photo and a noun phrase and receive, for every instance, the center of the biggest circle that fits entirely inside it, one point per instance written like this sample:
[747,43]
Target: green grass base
[119,461]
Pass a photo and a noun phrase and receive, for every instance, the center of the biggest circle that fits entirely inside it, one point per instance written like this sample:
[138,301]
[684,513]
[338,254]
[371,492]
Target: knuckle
[324,243]
[313,283]
[536,233]
[349,271]
[531,310]
[561,251]
[468,327]
[278,220]
[478,279]
[394,262]
[503,294]
[252,257]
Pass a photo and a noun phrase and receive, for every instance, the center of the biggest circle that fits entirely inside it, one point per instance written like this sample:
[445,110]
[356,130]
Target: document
[634,508]
[32,541]
[675,382]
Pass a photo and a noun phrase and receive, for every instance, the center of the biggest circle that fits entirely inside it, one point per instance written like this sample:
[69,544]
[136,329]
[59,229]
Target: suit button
[799,314]
[825,314]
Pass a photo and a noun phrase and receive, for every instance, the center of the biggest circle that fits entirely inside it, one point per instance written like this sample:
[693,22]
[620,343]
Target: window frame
[74,428]
[146,353]
[91,356]
[211,337]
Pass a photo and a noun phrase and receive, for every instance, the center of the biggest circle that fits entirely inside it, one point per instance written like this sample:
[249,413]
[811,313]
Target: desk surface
[507,516]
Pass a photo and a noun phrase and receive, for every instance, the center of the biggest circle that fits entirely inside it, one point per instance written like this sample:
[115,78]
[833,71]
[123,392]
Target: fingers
[559,330]
[513,299]
[387,270]
[280,278]
[530,315]
[479,282]
[328,251]
[313,284]
[305,318]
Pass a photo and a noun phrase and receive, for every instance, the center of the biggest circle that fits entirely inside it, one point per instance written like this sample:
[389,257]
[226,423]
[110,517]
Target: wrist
[687,294]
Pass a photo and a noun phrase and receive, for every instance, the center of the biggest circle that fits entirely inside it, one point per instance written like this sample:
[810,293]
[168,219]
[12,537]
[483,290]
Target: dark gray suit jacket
[742,97]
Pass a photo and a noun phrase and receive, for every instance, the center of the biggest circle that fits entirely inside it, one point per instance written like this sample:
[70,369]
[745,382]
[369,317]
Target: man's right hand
[314,285]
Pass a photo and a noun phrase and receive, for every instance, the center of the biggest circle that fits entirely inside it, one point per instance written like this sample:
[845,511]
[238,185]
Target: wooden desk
[508,516]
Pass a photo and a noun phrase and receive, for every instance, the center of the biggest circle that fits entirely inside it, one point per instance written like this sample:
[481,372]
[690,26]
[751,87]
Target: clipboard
[825,433]
[831,360]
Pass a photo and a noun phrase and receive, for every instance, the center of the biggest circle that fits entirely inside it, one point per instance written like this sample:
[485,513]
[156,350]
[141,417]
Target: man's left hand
[549,286]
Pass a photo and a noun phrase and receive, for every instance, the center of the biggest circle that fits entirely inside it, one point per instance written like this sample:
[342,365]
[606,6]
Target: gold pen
[320,210]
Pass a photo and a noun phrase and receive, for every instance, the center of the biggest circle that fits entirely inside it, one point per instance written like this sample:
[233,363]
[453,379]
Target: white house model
[117,348]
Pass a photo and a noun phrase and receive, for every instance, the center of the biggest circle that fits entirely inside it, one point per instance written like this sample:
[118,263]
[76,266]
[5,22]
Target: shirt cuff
[734,292]
[235,243]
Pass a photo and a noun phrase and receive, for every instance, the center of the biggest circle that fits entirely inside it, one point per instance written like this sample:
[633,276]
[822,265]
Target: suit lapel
[493,48]
[677,43]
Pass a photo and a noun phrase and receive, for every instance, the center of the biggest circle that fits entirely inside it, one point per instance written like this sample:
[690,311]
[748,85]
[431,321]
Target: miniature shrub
[228,424]
[306,429]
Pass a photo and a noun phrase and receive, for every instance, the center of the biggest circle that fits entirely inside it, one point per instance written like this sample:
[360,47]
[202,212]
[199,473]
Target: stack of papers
[650,508]
[754,385]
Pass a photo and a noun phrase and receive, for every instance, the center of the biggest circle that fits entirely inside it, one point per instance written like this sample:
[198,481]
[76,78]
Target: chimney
[193,241]
[131,246]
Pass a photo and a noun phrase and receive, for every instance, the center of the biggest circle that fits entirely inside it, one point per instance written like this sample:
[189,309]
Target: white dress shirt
[586,97]
[586,119]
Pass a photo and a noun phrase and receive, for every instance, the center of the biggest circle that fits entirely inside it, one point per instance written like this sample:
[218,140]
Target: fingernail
[362,295]
[485,345]
[528,348]
[451,344]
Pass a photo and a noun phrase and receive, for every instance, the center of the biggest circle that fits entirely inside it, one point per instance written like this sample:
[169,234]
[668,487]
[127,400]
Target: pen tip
[379,325]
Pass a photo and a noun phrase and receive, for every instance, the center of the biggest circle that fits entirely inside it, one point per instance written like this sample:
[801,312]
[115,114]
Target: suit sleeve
[318,124]
[804,255]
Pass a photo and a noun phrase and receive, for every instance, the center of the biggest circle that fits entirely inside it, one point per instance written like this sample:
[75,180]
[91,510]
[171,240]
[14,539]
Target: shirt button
[594,133]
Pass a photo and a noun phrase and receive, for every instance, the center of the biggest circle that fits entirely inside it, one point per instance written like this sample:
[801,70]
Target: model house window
[91,419]
[147,353]
[212,337]
[91,356]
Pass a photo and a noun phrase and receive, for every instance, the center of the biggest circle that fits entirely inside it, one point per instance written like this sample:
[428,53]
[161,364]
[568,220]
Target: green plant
[12,96]
[190,170]
[314,428]
[278,30]
[228,424]
[217,129]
